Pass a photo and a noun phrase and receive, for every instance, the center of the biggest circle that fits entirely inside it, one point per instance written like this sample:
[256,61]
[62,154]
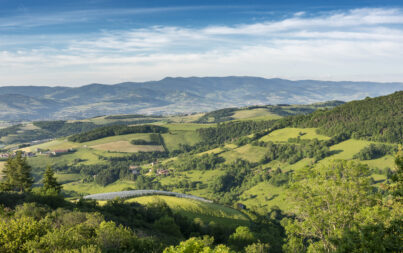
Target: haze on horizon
[98,41]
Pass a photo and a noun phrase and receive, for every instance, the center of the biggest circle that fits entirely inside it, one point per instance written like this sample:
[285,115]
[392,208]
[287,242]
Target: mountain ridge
[180,95]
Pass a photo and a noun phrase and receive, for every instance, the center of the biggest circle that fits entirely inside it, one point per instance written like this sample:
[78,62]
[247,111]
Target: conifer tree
[50,181]
[17,174]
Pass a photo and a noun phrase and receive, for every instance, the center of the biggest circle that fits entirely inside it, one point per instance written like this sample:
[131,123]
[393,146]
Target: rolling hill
[175,95]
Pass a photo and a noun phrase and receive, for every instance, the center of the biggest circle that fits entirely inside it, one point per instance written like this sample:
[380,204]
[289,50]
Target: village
[13,153]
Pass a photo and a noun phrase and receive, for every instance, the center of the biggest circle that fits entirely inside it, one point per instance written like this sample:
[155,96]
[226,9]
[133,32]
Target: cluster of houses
[12,154]
[135,170]
[163,172]
[4,156]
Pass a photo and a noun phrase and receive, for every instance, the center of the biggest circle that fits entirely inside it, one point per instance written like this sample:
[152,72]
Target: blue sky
[100,41]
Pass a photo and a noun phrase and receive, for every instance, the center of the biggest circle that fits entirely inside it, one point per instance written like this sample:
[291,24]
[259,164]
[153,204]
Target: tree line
[108,131]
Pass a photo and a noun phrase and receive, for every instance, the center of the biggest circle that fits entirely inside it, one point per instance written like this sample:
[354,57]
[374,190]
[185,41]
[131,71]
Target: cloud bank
[358,44]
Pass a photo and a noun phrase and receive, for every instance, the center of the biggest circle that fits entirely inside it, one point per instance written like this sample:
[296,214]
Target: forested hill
[377,119]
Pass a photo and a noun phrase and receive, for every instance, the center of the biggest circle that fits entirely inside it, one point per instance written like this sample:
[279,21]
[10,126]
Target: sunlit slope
[207,212]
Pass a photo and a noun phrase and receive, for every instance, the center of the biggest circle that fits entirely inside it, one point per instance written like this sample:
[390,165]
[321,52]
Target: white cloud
[362,44]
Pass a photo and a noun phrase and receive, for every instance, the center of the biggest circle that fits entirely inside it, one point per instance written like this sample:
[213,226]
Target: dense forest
[376,119]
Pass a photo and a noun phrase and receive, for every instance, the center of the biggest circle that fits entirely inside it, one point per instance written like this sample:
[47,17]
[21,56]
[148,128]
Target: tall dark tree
[50,181]
[17,174]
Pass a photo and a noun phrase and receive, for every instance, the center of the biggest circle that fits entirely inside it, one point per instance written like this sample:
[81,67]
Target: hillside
[175,95]
[250,164]
[377,119]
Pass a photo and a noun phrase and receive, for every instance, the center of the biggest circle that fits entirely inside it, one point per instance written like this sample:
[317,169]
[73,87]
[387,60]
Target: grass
[282,135]
[192,175]
[54,145]
[175,138]
[285,167]
[187,126]
[347,149]
[126,147]
[258,113]
[86,155]
[207,212]
[387,161]
[126,137]
[264,195]
[1,168]
[247,152]
[93,188]
[67,178]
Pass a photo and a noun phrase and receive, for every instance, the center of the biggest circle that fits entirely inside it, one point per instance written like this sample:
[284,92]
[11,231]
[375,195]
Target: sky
[73,43]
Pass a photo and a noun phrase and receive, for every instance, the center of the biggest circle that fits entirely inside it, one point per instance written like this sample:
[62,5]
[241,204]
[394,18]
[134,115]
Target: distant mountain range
[175,95]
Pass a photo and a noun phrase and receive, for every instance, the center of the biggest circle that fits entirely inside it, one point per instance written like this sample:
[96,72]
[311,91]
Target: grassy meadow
[282,135]
[255,114]
[207,212]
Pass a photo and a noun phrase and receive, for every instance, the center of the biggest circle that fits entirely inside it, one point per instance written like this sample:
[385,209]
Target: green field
[67,178]
[347,149]
[255,114]
[127,147]
[264,195]
[1,168]
[193,209]
[282,135]
[248,152]
[387,161]
[93,188]
[176,137]
[85,155]
[54,145]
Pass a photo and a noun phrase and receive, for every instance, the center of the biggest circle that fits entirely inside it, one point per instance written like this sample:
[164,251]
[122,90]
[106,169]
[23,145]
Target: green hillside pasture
[174,138]
[103,120]
[185,119]
[264,195]
[54,145]
[282,135]
[67,178]
[127,147]
[347,149]
[248,152]
[93,188]
[192,175]
[193,209]
[285,167]
[126,137]
[255,114]
[212,151]
[186,126]
[387,161]
[1,167]
[86,155]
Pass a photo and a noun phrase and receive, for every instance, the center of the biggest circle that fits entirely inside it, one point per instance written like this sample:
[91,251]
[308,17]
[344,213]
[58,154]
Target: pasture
[264,195]
[1,167]
[247,152]
[194,209]
[174,138]
[93,188]
[126,147]
[85,156]
[282,135]
[255,114]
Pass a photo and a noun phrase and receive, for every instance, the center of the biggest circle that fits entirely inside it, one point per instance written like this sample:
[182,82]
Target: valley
[244,160]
